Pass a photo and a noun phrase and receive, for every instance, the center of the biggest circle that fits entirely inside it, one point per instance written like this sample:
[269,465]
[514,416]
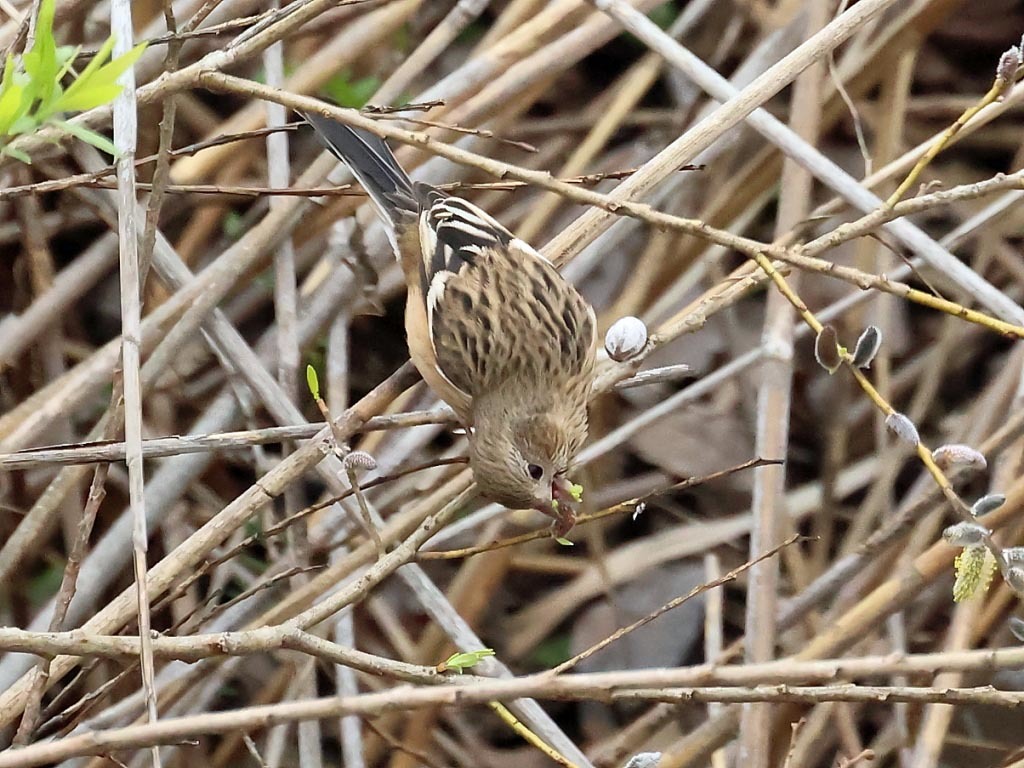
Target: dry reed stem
[125,137]
[774,401]
[172,730]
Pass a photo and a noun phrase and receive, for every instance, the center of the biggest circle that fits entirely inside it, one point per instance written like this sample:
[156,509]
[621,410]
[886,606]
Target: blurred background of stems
[258,535]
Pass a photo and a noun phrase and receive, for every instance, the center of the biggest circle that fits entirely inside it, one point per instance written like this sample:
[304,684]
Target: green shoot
[313,382]
[32,91]
[349,91]
[459,662]
[576,491]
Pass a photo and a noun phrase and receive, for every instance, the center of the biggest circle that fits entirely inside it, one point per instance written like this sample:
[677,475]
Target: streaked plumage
[493,327]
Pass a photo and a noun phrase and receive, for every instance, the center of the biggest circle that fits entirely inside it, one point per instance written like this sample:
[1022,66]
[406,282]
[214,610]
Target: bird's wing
[497,310]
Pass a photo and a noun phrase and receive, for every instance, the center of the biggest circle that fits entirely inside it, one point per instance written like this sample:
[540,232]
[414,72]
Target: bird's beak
[560,490]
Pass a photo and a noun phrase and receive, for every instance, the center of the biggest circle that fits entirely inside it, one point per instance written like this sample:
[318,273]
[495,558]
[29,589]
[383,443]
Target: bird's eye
[536,471]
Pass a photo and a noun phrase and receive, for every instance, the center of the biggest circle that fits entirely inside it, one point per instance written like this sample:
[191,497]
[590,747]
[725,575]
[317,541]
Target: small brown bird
[493,328]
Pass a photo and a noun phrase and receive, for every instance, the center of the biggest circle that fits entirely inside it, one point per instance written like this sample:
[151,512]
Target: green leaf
[121,64]
[349,92]
[97,61]
[576,491]
[66,57]
[31,92]
[552,652]
[44,585]
[402,40]
[233,226]
[254,527]
[664,15]
[87,135]
[98,80]
[313,382]
[472,32]
[24,124]
[16,98]
[44,24]
[17,154]
[84,98]
[41,61]
[564,542]
[462,661]
[8,78]
[10,106]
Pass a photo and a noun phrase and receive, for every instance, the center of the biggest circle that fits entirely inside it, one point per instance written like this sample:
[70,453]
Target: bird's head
[520,461]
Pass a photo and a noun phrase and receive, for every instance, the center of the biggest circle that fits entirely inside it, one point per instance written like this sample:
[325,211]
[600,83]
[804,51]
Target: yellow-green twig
[622,507]
[961,508]
[865,280]
[528,735]
[999,87]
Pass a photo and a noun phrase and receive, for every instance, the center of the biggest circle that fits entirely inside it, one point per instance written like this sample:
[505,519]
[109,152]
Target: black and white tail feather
[372,163]
[452,229]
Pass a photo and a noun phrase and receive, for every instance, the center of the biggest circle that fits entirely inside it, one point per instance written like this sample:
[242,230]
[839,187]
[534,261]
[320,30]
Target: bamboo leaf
[87,135]
[86,98]
[10,105]
[313,382]
[463,661]
[17,154]
[98,86]
[41,62]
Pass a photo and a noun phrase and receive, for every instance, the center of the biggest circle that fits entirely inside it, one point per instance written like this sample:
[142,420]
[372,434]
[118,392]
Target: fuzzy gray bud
[625,339]
[826,349]
[357,460]
[1015,579]
[644,760]
[1017,627]
[867,347]
[1014,555]
[987,504]
[965,534]
[903,428]
[1009,63]
[957,455]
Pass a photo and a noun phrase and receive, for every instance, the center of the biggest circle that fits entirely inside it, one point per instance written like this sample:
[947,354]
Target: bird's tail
[372,163]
